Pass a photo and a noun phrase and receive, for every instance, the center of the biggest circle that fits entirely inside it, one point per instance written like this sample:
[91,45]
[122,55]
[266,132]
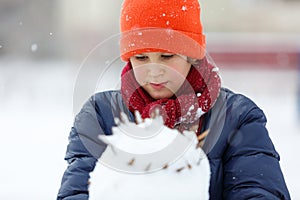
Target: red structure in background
[272,60]
[259,56]
[256,56]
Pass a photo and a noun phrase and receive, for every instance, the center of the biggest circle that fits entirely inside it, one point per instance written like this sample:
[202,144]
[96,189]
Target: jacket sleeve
[251,164]
[83,150]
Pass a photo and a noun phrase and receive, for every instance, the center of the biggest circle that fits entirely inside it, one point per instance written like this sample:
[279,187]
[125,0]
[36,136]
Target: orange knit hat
[161,26]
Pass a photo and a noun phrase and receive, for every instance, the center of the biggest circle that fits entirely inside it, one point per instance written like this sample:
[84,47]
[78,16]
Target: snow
[199,112]
[147,138]
[215,69]
[128,17]
[129,167]
[36,116]
[138,118]
[34,47]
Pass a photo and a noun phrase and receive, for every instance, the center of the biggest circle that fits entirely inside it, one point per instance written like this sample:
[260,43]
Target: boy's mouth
[158,85]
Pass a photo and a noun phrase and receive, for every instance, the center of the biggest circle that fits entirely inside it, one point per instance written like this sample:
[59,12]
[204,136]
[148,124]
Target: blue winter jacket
[244,163]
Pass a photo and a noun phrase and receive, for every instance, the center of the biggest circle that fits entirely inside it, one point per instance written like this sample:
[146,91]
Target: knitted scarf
[195,97]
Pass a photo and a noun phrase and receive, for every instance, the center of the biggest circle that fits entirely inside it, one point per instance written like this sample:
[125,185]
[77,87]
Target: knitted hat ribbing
[161,26]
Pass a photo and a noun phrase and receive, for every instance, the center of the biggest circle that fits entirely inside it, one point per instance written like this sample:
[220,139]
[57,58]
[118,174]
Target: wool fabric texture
[194,98]
[161,26]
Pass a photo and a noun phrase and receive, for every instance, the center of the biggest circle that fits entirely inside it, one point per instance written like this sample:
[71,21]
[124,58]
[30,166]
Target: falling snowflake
[184,8]
[34,47]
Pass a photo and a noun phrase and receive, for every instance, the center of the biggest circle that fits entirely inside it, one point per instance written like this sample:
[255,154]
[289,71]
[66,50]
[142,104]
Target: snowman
[147,160]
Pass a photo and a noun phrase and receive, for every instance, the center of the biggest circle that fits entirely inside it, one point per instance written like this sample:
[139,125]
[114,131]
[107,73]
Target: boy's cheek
[140,74]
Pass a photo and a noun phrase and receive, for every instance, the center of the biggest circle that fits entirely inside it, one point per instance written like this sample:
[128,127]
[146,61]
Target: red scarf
[194,98]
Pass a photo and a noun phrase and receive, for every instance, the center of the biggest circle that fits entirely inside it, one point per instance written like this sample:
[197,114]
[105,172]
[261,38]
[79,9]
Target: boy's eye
[140,57]
[167,55]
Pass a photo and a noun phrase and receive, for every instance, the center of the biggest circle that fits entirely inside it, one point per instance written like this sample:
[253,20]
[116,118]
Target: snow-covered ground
[36,114]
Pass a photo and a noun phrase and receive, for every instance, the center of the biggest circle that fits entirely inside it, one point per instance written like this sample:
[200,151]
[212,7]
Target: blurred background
[46,58]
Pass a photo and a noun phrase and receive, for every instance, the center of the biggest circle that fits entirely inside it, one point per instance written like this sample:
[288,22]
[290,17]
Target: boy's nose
[156,70]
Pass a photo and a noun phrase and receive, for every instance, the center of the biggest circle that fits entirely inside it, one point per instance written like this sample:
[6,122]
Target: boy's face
[160,74]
